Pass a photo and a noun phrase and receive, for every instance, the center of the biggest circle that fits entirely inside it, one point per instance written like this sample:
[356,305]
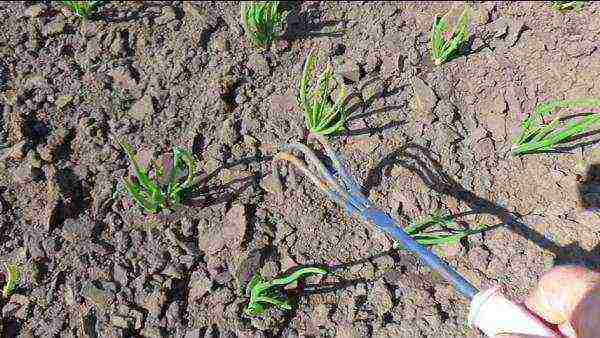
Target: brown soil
[426,138]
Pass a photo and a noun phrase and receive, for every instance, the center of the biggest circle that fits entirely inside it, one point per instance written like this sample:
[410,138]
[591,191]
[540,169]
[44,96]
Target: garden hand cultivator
[490,310]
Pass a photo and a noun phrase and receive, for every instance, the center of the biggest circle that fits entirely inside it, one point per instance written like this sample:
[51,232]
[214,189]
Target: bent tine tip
[340,166]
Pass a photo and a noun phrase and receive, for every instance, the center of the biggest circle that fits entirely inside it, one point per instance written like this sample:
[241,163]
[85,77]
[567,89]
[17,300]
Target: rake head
[343,189]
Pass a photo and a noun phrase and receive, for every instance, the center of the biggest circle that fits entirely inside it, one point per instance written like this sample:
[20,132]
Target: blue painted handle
[387,224]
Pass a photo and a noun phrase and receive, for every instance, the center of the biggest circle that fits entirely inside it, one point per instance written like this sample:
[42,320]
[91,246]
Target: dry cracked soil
[420,138]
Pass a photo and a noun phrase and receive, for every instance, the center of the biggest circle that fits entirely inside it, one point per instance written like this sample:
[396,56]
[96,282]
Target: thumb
[585,318]
[510,335]
[568,296]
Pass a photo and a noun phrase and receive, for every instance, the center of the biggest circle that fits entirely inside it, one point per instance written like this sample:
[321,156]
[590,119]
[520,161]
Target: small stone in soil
[235,227]
[34,11]
[351,71]
[55,27]
[143,109]
[97,296]
[425,97]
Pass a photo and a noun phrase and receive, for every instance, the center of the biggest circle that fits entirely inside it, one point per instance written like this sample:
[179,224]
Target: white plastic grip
[494,314]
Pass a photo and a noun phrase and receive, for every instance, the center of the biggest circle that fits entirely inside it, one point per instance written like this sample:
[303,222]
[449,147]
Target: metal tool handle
[493,314]
[347,194]
[490,310]
[387,224]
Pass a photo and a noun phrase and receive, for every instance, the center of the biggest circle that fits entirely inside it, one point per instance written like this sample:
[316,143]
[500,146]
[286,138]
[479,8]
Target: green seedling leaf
[263,292]
[83,8]
[537,136]
[145,202]
[299,274]
[567,5]
[446,231]
[174,178]
[322,115]
[445,45]
[13,280]
[185,158]
[263,22]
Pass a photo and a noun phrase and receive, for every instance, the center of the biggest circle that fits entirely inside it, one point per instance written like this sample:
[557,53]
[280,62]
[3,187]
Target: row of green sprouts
[264,24]
[437,229]
[163,184]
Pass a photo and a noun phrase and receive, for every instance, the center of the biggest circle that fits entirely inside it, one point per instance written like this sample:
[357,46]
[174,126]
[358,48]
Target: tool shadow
[420,161]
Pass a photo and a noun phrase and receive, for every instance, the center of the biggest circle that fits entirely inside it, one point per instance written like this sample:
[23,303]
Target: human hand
[569,297]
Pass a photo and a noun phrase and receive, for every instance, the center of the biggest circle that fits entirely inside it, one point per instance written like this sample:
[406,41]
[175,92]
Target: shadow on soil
[589,189]
[116,15]
[206,196]
[306,24]
[75,196]
[360,109]
[420,161]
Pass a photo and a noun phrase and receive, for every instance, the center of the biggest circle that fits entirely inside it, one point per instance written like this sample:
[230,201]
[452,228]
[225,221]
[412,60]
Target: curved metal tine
[334,189]
[354,199]
[352,202]
[339,164]
[311,158]
[341,199]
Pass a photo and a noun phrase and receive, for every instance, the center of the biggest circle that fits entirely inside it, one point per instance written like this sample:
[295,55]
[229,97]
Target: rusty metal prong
[331,187]
[321,170]
[355,202]
[340,166]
